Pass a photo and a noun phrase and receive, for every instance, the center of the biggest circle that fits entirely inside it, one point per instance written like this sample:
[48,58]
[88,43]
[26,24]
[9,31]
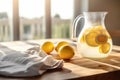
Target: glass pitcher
[94,40]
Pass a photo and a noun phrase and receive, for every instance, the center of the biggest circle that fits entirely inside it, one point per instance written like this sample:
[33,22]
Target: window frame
[78,8]
[16,26]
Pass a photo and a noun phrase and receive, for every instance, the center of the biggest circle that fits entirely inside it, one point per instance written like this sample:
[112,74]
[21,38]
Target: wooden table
[77,68]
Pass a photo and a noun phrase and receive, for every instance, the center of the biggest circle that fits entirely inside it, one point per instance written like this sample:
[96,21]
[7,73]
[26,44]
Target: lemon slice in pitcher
[101,39]
[91,39]
[104,48]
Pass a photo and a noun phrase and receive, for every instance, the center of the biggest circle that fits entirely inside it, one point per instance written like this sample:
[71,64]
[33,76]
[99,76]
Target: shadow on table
[107,64]
[114,75]
[43,76]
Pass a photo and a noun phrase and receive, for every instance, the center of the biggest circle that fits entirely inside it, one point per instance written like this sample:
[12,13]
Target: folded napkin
[32,62]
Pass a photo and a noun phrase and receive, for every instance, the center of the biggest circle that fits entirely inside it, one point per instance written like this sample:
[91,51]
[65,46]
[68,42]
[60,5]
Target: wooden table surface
[77,68]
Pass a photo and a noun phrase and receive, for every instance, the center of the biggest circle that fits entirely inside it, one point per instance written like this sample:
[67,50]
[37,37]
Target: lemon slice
[60,44]
[66,52]
[82,39]
[90,39]
[101,39]
[47,47]
[104,48]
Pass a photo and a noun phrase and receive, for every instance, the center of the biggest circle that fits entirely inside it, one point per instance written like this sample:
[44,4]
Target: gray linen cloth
[32,62]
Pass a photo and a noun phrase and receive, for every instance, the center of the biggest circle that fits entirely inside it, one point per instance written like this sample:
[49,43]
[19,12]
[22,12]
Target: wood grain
[76,68]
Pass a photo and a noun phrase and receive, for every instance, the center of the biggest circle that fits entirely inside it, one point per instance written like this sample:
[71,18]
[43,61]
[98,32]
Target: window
[31,13]
[61,18]
[5,20]
[28,19]
[27,32]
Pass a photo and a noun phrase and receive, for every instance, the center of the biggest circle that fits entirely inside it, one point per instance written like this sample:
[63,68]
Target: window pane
[62,11]
[31,19]
[5,20]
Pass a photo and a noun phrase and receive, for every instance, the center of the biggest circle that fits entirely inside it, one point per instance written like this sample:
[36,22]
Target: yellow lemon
[104,48]
[47,47]
[66,52]
[90,39]
[60,44]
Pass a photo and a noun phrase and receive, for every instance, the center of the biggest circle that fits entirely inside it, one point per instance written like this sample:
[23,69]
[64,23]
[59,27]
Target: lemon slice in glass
[47,47]
[104,48]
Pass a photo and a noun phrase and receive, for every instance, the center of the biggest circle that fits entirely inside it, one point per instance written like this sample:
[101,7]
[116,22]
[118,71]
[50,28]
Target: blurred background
[40,19]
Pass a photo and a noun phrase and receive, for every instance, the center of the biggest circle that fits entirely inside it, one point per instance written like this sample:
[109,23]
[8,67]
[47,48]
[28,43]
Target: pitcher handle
[74,26]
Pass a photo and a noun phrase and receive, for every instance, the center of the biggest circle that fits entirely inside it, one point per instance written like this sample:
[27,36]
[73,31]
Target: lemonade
[94,42]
